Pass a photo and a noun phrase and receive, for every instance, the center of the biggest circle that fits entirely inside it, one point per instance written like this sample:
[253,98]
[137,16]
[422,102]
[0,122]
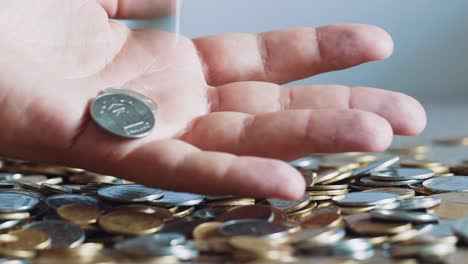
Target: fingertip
[293,183]
[378,42]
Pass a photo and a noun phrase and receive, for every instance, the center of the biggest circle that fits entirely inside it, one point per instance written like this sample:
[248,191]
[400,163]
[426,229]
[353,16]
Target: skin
[225,124]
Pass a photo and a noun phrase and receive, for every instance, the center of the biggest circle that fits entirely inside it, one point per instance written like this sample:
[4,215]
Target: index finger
[140,9]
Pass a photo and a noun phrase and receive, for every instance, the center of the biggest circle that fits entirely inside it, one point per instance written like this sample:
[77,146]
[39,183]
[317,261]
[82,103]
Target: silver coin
[367,181]
[378,165]
[358,248]
[61,233]
[210,212]
[56,201]
[16,202]
[303,236]
[253,227]
[418,203]
[402,174]
[405,216]
[6,176]
[286,205]
[178,199]
[365,198]
[7,224]
[34,194]
[150,103]
[154,245]
[123,115]
[310,163]
[129,193]
[447,184]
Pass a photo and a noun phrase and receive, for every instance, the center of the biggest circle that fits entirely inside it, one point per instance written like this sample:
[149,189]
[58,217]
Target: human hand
[220,100]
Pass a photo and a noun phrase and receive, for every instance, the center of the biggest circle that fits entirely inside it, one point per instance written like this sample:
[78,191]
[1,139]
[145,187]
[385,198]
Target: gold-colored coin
[130,223]
[81,214]
[341,165]
[323,217]
[363,225]
[403,193]
[409,150]
[340,177]
[258,246]
[160,212]
[325,175]
[29,239]
[21,254]
[320,198]
[345,210]
[367,159]
[207,231]
[232,202]
[183,211]
[297,216]
[455,141]
[423,164]
[328,192]
[15,216]
[440,170]
[7,238]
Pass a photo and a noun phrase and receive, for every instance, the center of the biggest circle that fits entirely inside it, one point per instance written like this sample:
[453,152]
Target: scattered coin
[447,184]
[376,166]
[394,215]
[402,174]
[61,233]
[81,214]
[131,193]
[290,206]
[130,223]
[365,199]
[15,202]
[254,227]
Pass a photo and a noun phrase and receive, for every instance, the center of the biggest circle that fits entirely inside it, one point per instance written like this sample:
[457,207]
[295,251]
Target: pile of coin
[357,207]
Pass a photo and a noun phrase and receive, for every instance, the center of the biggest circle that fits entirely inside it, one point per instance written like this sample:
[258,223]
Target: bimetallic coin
[254,227]
[418,203]
[290,206]
[170,199]
[129,193]
[61,233]
[447,184]
[56,201]
[394,215]
[402,174]
[378,165]
[365,199]
[16,202]
[123,115]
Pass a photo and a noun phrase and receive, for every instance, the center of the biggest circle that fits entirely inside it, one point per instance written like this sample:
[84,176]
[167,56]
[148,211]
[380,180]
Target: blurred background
[430,61]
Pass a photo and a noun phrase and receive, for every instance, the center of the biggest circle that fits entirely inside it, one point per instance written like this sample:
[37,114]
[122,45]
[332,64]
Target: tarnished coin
[401,192]
[365,198]
[56,201]
[177,199]
[290,206]
[130,223]
[378,165]
[254,227]
[405,216]
[248,212]
[373,183]
[123,115]
[15,202]
[61,233]
[402,174]
[80,214]
[447,184]
[418,203]
[129,193]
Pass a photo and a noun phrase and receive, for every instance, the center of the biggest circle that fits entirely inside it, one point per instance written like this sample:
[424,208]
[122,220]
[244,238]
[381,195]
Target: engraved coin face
[253,227]
[290,206]
[57,201]
[62,233]
[15,202]
[402,174]
[129,193]
[178,199]
[365,199]
[447,184]
[123,115]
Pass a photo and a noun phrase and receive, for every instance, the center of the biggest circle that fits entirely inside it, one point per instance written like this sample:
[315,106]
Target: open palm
[220,100]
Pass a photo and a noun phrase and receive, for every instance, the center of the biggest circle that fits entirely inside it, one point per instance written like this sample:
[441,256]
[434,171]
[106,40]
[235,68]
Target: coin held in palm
[125,114]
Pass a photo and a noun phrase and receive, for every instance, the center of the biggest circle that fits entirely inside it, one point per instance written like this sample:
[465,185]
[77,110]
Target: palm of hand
[59,55]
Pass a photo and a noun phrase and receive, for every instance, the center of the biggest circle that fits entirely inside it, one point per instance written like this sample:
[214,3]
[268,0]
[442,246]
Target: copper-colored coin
[461,169]
[363,225]
[81,214]
[130,223]
[248,212]
[232,202]
[323,217]
[341,177]
[452,206]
